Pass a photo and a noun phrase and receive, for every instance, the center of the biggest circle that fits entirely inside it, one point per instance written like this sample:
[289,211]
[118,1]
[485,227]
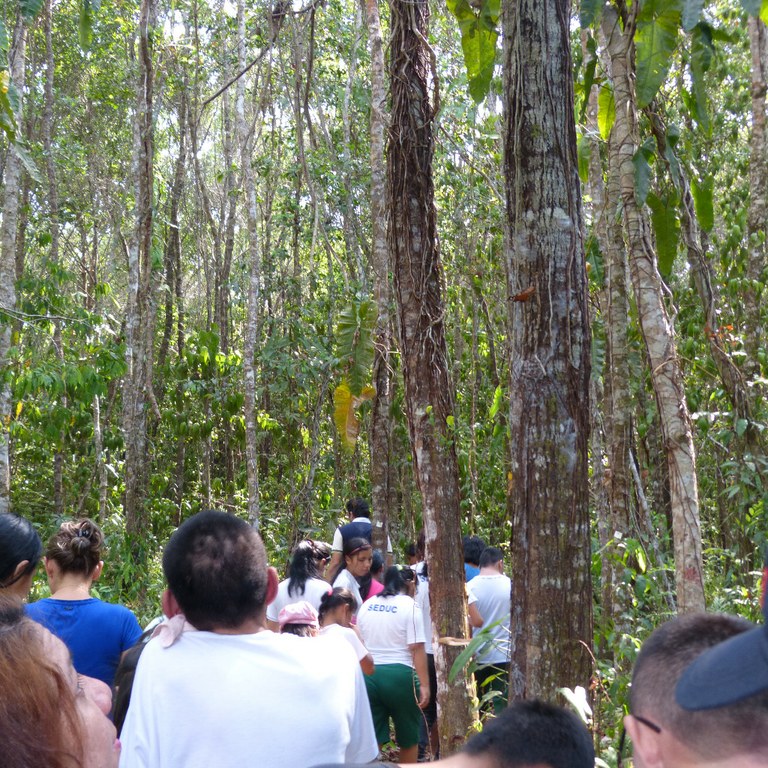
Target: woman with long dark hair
[356,573]
[392,628]
[305,580]
[20,551]
[95,632]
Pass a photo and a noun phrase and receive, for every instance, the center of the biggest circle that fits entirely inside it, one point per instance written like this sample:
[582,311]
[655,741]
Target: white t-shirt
[314,589]
[388,626]
[422,600]
[336,633]
[346,579]
[247,700]
[492,596]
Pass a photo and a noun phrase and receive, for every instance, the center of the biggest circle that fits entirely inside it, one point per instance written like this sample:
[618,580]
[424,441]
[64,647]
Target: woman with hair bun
[305,580]
[20,551]
[95,632]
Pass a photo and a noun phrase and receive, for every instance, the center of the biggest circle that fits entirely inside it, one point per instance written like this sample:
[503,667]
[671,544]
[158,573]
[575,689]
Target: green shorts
[392,692]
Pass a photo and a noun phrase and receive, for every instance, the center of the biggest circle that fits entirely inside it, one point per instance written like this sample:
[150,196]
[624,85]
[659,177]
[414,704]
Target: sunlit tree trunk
[140,321]
[757,213]
[656,327]
[254,272]
[382,458]
[549,355]
[10,212]
[428,389]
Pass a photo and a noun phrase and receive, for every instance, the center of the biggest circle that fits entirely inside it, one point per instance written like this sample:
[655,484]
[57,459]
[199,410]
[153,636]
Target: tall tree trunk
[428,389]
[10,211]
[382,464]
[252,317]
[757,213]
[550,358]
[656,326]
[140,321]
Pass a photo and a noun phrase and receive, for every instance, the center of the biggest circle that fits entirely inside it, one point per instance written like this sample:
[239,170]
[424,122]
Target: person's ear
[96,572]
[18,571]
[272,582]
[646,747]
[49,566]
[170,606]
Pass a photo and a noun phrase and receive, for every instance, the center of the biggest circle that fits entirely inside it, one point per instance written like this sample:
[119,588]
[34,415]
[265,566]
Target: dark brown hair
[39,722]
[76,547]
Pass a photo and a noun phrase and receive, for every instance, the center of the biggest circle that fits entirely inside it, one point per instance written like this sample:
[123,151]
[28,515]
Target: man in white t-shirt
[221,690]
[489,597]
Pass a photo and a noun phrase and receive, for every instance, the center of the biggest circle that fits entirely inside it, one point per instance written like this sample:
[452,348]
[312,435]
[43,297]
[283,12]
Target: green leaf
[666,228]
[702,51]
[479,33]
[589,75]
[589,12]
[584,152]
[497,395]
[655,40]
[703,202]
[606,111]
[3,43]
[764,12]
[30,8]
[355,341]
[741,427]
[691,13]
[643,171]
[88,10]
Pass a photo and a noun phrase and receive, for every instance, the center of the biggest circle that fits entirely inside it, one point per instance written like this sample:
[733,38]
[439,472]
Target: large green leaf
[764,12]
[691,13]
[702,51]
[606,111]
[30,8]
[479,33]
[657,30]
[3,44]
[589,75]
[703,202]
[643,170]
[355,342]
[88,11]
[666,227]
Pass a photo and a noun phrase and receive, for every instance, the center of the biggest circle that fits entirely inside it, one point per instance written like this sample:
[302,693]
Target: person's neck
[490,570]
[247,627]
[71,586]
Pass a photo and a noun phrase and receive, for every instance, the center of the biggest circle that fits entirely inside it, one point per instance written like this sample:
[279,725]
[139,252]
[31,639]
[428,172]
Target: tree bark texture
[140,320]
[382,463]
[10,212]
[254,260]
[656,328]
[757,214]
[428,389]
[549,356]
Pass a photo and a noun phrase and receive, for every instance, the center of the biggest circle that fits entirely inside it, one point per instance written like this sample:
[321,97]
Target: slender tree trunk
[252,317]
[757,213]
[656,327]
[428,389]
[382,464]
[140,321]
[10,212]
[550,357]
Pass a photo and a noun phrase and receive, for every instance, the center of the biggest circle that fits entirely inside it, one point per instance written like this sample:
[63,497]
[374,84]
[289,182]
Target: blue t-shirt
[470,571]
[95,632]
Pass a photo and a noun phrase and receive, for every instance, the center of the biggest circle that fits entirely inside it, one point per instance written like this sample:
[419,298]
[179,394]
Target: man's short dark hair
[358,507]
[473,548]
[216,569]
[534,733]
[716,733]
[491,556]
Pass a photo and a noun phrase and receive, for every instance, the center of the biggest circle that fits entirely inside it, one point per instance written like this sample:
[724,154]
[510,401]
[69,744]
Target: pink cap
[298,613]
